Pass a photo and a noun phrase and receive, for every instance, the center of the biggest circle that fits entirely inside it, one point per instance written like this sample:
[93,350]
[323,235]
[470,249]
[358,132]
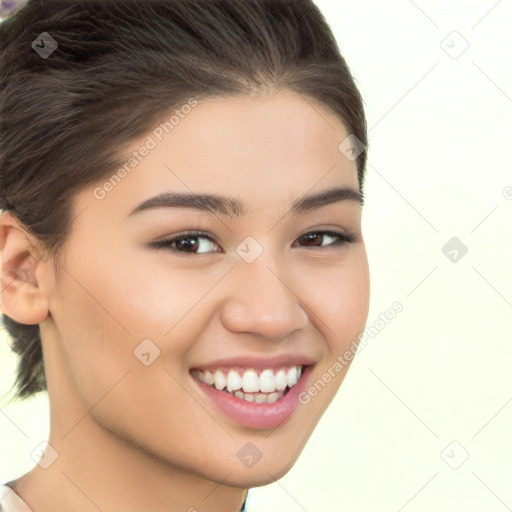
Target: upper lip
[252,361]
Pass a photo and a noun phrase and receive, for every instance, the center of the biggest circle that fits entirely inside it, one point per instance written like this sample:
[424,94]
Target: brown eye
[187,243]
[315,238]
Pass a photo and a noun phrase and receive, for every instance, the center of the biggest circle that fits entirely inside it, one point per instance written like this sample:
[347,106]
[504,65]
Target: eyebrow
[234,208]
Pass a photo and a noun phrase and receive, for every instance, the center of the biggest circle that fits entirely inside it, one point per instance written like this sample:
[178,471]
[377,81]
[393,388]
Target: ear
[24,277]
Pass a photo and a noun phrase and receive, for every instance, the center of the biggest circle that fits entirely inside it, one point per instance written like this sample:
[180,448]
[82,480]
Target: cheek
[151,295]
[101,316]
[106,309]
[94,340]
[340,301]
[99,336]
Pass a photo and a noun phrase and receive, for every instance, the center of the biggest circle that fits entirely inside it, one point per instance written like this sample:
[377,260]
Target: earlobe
[22,294]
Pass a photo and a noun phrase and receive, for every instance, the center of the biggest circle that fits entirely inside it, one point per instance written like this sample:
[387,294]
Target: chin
[258,475]
[254,478]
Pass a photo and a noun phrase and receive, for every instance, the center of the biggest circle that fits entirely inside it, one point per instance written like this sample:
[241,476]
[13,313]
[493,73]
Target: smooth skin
[133,437]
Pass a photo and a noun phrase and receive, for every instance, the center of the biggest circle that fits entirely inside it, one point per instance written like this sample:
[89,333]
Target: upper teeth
[268,381]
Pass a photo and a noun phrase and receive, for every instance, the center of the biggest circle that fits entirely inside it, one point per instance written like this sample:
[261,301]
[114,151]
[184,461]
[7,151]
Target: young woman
[183,267]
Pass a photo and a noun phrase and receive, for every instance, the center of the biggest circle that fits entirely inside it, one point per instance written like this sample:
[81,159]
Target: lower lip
[257,415]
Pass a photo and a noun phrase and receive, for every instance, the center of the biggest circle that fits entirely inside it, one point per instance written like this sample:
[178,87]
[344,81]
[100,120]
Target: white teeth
[267,381]
[280,380]
[220,380]
[273,397]
[268,387]
[250,381]
[291,376]
[208,377]
[234,381]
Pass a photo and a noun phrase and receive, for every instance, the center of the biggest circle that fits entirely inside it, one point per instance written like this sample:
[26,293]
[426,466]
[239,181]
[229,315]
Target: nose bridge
[262,301]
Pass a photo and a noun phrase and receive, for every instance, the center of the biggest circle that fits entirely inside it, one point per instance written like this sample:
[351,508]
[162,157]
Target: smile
[257,398]
[266,385]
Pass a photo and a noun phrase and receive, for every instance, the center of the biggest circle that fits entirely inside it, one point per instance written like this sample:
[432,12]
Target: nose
[261,301]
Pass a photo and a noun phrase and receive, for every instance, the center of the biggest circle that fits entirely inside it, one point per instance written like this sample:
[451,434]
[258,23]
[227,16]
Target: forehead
[269,133]
[265,150]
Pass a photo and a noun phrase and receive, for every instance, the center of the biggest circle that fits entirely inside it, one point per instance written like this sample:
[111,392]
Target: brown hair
[120,67]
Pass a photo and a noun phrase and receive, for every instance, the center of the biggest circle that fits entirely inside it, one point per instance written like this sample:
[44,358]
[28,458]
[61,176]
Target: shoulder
[10,501]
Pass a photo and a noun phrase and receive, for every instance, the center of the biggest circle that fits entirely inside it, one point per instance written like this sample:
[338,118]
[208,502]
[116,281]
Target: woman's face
[138,324]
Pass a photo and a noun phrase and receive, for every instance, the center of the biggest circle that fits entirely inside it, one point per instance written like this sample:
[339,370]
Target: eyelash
[167,243]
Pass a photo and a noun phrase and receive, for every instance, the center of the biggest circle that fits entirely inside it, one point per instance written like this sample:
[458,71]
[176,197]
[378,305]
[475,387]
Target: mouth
[257,398]
[259,385]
